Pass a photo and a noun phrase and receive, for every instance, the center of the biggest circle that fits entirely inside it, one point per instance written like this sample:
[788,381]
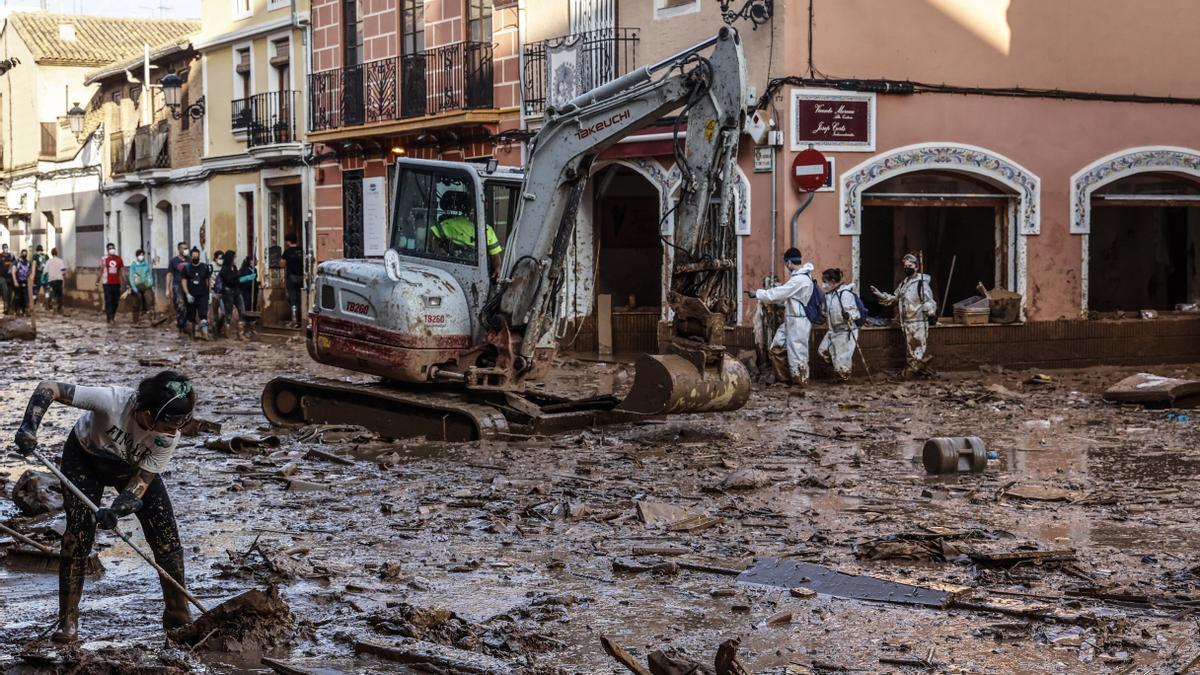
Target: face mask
[112,251]
[909,271]
[195,258]
[141,258]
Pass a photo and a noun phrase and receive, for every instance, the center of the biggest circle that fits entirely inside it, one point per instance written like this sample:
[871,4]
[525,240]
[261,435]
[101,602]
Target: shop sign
[827,119]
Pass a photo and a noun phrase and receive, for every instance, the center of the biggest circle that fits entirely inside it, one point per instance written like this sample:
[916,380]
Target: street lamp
[171,85]
[75,117]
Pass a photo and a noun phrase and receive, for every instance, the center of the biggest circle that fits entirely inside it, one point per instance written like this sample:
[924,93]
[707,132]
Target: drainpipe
[521,69]
[774,210]
[307,188]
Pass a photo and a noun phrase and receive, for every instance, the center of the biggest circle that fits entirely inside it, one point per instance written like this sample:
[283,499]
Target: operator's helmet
[458,201]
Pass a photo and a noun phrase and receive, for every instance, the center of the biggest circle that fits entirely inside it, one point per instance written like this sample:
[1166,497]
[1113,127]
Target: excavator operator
[455,232]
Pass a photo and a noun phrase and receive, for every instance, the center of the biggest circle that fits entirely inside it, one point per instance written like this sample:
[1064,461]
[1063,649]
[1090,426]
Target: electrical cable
[911,87]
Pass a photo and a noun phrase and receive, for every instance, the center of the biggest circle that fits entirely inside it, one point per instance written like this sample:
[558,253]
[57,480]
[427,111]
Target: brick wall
[327,202]
[186,146]
[326,35]
[444,22]
[381,29]
[506,55]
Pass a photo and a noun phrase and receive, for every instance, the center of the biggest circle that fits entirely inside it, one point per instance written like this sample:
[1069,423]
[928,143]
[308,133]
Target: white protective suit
[914,296]
[793,294]
[841,340]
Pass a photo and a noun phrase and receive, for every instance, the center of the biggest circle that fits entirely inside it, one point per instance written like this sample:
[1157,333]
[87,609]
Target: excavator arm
[522,311]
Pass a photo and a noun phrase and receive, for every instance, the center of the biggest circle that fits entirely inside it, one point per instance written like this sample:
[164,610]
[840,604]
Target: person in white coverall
[841,313]
[793,334]
[914,297]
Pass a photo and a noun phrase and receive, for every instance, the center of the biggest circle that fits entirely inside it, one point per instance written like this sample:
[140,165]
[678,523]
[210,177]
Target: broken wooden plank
[286,668]
[794,574]
[660,550]
[421,652]
[314,453]
[635,567]
[694,524]
[1010,557]
[1037,493]
[711,569]
[1150,389]
[623,657]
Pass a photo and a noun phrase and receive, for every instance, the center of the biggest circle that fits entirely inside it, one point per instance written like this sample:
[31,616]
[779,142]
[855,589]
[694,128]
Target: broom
[41,557]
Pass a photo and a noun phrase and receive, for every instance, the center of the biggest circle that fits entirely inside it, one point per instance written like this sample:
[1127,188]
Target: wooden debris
[314,453]
[634,567]
[1040,494]
[623,657]
[660,550]
[661,664]
[694,524]
[727,661]
[419,652]
[780,617]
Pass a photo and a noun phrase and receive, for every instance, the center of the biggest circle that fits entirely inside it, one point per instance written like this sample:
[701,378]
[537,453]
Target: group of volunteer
[835,303]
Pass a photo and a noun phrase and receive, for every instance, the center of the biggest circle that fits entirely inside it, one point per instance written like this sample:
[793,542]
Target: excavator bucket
[668,383]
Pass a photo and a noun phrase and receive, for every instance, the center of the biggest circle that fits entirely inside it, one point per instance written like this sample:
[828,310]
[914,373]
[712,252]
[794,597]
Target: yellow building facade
[253,59]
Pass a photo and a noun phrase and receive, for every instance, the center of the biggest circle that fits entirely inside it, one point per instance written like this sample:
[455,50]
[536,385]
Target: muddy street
[1073,552]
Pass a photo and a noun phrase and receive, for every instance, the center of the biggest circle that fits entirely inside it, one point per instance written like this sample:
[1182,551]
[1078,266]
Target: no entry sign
[810,170]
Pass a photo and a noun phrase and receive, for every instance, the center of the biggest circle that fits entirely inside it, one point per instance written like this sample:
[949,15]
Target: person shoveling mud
[124,440]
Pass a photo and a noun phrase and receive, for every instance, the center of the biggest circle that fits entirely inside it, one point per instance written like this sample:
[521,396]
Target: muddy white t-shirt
[109,430]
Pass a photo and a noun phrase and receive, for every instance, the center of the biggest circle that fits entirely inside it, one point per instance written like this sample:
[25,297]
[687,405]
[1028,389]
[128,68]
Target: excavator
[465,308]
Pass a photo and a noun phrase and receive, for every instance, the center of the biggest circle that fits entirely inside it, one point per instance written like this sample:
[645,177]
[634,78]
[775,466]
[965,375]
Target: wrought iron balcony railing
[458,76]
[149,148]
[599,56]
[268,118]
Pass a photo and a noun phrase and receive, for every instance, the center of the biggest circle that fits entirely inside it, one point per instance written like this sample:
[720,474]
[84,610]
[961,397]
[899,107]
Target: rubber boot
[204,331]
[295,322]
[779,363]
[70,588]
[176,612]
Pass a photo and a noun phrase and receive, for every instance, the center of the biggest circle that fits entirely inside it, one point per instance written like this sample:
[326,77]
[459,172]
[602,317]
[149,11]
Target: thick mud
[1074,552]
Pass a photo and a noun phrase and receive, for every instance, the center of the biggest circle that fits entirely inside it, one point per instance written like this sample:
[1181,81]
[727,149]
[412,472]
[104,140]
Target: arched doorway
[629,257]
[958,223]
[164,242]
[975,177]
[1141,250]
[1136,210]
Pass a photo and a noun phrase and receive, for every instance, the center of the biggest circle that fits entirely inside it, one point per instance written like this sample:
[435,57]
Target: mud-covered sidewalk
[1073,552]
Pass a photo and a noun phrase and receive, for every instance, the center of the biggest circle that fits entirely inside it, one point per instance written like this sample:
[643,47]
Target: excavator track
[397,411]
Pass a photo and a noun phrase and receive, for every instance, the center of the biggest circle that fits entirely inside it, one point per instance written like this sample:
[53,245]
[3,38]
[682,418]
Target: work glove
[123,505]
[190,299]
[26,441]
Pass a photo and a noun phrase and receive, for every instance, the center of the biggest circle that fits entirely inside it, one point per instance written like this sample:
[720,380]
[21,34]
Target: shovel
[247,606]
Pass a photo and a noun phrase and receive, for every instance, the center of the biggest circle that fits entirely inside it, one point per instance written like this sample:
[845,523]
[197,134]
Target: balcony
[601,56]
[267,119]
[431,82]
[147,149]
[151,148]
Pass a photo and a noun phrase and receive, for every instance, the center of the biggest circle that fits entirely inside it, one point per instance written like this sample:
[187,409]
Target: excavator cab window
[435,216]
[500,207]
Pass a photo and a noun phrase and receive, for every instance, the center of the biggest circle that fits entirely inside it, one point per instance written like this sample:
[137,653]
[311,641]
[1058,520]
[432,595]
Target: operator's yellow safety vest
[460,231]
